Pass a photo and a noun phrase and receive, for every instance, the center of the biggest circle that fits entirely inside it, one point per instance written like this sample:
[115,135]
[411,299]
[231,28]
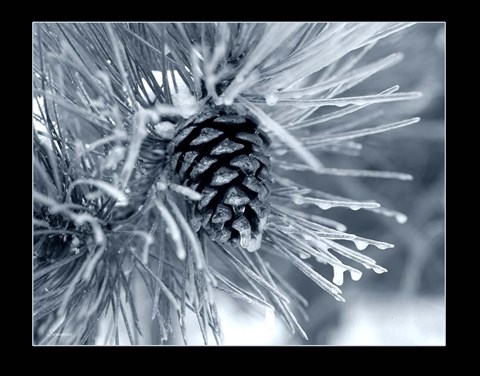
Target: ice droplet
[324,206]
[271,99]
[355,275]
[401,218]
[355,207]
[360,244]
[338,275]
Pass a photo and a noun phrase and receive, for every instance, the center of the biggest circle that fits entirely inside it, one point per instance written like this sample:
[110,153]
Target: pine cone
[223,156]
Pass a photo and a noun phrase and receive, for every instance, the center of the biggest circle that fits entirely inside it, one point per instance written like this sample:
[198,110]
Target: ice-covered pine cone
[223,156]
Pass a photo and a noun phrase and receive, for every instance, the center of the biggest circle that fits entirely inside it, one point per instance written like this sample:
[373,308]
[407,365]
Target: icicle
[327,204]
[309,272]
[271,99]
[338,275]
[366,261]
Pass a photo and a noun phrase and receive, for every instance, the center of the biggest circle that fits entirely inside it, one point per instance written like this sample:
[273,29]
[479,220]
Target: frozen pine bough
[164,164]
